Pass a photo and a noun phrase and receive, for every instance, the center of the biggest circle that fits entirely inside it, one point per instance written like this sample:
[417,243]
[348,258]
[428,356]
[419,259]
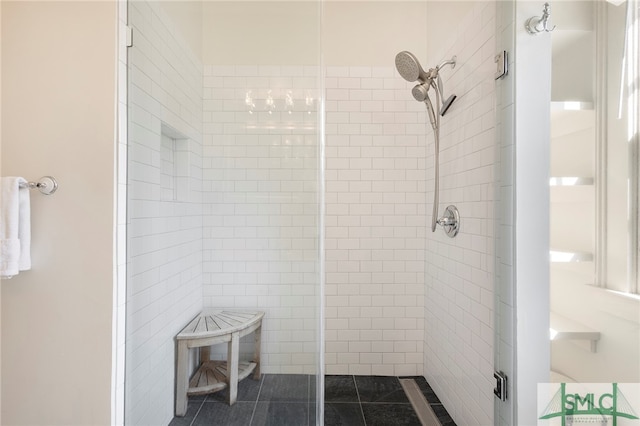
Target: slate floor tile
[380,389]
[343,414]
[220,414]
[281,414]
[284,388]
[340,389]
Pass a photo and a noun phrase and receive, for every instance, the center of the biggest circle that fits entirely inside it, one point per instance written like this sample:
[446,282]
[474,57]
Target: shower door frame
[522,287]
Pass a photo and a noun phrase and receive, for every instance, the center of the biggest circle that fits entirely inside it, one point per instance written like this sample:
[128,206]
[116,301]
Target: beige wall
[372,33]
[58,87]
[443,18]
[187,17]
[354,33]
[260,33]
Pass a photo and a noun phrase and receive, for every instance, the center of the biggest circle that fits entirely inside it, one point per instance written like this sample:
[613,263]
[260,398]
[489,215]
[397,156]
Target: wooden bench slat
[231,317]
[242,316]
[220,373]
[200,326]
[216,323]
[211,324]
[227,324]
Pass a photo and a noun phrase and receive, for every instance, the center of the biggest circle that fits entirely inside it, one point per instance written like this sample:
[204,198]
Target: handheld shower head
[420,92]
[409,67]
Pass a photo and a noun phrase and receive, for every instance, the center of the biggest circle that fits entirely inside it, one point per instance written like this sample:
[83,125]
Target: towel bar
[46,185]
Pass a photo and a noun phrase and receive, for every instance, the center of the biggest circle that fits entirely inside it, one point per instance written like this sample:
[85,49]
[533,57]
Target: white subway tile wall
[260,196]
[460,272]
[164,268]
[375,223]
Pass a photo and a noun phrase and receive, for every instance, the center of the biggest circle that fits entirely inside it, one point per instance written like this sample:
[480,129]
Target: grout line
[419,402]
[197,412]
[255,404]
[359,402]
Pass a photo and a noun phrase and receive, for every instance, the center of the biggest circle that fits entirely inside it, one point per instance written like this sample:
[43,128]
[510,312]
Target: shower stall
[271,168]
[278,162]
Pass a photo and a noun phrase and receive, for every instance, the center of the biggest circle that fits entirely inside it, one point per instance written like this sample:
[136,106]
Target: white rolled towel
[15,227]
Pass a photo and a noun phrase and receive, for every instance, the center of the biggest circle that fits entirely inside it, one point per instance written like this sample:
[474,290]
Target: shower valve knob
[446,221]
[450,221]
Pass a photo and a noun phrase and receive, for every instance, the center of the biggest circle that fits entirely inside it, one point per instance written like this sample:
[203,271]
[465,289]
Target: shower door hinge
[503,67]
[501,385]
[129,31]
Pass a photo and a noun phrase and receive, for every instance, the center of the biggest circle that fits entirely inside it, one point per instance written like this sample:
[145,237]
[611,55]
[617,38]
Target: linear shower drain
[418,401]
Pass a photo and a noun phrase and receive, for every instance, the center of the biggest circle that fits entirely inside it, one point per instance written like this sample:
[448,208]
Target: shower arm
[451,62]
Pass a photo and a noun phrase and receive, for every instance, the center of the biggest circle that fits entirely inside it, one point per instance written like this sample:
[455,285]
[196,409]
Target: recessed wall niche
[174,165]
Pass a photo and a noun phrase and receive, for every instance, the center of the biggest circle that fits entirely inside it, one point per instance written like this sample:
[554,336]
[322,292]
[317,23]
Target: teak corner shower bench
[210,327]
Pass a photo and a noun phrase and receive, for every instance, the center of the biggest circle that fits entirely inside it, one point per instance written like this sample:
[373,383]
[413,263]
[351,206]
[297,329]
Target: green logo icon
[589,407]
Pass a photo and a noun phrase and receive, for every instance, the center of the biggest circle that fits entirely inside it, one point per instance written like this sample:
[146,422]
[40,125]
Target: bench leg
[256,354]
[182,379]
[205,354]
[232,367]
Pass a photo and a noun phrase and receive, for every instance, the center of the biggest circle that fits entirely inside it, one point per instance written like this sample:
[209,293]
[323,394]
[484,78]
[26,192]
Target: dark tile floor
[289,399]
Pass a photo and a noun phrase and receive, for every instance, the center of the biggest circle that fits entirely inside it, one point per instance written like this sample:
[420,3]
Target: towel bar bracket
[46,185]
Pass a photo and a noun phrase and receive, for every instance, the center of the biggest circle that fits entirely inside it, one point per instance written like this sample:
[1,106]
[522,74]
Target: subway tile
[376,184]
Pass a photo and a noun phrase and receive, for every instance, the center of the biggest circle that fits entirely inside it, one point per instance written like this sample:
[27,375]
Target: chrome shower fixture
[451,62]
[446,104]
[409,68]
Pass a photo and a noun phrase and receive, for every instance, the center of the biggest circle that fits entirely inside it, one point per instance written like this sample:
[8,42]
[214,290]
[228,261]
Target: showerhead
[409,67]
[420,92]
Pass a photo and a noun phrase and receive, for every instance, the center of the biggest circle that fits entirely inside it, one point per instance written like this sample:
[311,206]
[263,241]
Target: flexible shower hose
[434,118]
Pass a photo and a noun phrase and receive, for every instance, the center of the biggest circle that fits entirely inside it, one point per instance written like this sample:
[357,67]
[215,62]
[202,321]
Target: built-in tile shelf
[562,328]
[570,181]
[571,106]
[556,256]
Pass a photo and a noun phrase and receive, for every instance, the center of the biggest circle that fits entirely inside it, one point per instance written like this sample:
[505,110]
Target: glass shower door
[224,189]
